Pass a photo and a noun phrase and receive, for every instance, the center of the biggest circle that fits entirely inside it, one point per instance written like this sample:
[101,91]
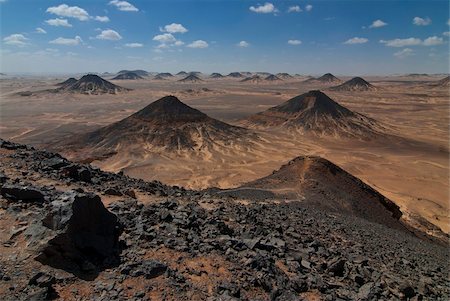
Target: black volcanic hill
[355,84]
[445,82]
[67,82]
[81,233]
[92,84]
[322,184]
[235,75]
[272,78]
[316,113]
[182,73]
[326,78]
[165,74]
[164,125]
[284,75]
[127,76]
[141,73]
[191,78]
[255,79]
[216,75]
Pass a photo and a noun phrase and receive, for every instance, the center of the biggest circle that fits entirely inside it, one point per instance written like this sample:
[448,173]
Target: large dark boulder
[14,192]
[77,234]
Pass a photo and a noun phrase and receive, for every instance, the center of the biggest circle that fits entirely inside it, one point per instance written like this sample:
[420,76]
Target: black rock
[22,193]
[147,268]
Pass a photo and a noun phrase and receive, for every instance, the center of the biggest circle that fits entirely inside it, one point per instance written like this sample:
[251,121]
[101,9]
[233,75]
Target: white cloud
[101,18]
[243,44]
[109,34]
[267,8]
[404,53]
[308,7]
[123,5]
[448,22]
[174,28]
[198,44]
[356,40]
[134,45]
[58,22]
[294,42]
[402,42]
[16,39]
[294,9]
[446,33]
[67,42]
[377,24]
[178,43]
[64,10]
[430,41]
[165,38]
[433,41]
[421,22]
[40,30]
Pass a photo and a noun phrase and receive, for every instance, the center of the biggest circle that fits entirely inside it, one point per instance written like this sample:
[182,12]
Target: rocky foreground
[72,232]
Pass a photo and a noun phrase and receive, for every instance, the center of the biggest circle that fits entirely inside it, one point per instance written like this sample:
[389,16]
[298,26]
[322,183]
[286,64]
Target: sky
[306,37]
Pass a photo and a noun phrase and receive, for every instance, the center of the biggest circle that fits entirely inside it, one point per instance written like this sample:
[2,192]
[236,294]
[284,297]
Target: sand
[412,171]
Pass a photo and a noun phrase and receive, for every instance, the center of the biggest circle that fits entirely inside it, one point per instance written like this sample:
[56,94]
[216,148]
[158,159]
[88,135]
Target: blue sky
[306,37]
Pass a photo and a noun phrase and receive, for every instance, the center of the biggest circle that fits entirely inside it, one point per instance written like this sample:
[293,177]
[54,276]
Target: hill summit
[355,84]
[316,113]
[166,125]
[92,84]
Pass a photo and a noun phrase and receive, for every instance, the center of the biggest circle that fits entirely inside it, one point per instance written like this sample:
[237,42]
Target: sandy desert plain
[411,167]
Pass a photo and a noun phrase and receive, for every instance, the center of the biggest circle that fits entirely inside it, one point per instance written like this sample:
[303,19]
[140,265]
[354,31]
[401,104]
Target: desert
[184,150]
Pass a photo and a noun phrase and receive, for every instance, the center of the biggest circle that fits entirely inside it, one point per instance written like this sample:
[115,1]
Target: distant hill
[235,75]
[164,125]
[165,74]
[128,76]
[255,79]
[355,84]
[67,82]
[314,112]
[182,73]
[272,78]
[216,75]
[191,78]
[92,84]
[327,78]
[284,76]
[141,73]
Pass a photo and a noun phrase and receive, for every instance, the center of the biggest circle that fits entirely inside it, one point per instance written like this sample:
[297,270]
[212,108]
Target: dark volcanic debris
[168,243]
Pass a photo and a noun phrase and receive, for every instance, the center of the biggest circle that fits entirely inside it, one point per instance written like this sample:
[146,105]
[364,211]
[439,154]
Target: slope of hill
[327,78]
[255,79]
[67,82]
[314,112]
[141,73]
[235,75]
[166,125]
[355,84]
[216,75]
[272,78]
[322,184]
[191,78]
[92,84]
[73,232]
[128,76]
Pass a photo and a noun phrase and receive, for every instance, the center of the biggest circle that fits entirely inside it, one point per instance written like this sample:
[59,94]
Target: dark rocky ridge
[316,113]
[128,76]
[191,78]
[326,78]
[92,84]
[67,82]
[193,246]
[216,75]
[141,73]
[235,75]
[167,125]
[355,84]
